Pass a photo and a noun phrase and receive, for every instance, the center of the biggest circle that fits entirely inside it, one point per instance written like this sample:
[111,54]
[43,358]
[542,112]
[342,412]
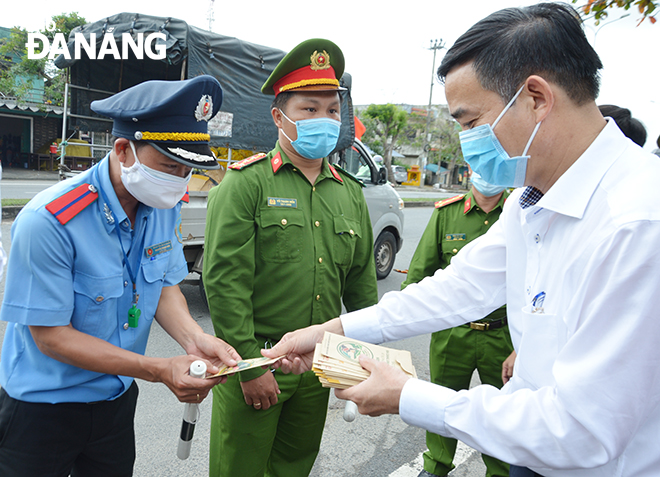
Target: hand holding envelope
[336,360]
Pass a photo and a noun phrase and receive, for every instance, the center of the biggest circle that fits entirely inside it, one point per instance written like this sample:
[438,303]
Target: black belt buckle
[487,325]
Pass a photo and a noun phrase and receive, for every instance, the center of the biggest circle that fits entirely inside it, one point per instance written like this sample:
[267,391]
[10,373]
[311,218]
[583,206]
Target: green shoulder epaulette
[248,161]
[68,205]
[451,200]
[347,174]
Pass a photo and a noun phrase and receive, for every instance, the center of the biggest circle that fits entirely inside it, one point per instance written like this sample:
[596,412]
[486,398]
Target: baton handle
[350,411]
[190,415]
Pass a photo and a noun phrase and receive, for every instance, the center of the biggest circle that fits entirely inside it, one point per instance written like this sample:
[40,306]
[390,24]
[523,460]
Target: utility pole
[210,15]
[435,46]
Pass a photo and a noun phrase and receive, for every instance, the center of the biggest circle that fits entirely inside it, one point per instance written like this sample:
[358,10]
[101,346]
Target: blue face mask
[486,156]
[486,189]
[317,137]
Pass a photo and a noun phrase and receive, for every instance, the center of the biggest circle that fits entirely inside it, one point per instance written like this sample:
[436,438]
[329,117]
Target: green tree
[598,9]
[18,75]
[388,122]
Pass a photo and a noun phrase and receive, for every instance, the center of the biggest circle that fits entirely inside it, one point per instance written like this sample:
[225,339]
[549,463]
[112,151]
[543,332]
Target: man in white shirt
[574,256]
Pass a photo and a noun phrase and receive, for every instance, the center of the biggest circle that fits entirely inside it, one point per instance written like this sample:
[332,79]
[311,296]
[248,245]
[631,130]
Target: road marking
[413,468]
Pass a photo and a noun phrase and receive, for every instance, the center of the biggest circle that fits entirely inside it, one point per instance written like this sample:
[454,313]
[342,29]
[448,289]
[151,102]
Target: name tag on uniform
[159,248]
[454,237]
[279,202]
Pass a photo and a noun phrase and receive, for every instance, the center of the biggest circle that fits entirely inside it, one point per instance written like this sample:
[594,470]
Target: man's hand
[507,367]
[175,374]
[298,346]
[380,393]
[261,392]
[213,350]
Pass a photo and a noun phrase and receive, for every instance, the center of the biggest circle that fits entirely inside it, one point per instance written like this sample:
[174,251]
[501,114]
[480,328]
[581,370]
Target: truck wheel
[202,291]
[384,254]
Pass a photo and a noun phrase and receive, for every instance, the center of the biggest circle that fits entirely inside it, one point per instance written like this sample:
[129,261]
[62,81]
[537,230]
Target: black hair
[280,100]
[629,126]
[512,44]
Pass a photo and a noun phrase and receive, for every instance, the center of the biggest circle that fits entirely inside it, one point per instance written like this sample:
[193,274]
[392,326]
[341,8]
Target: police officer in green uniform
[455,353]
[288,237]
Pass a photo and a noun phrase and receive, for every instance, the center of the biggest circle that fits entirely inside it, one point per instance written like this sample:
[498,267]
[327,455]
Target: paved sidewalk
[29,175]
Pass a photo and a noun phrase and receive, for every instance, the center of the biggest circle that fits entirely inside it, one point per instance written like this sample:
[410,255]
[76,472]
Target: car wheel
[384,254]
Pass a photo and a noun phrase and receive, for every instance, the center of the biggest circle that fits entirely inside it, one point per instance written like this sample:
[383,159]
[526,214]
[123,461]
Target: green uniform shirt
[451,227]
[280,254]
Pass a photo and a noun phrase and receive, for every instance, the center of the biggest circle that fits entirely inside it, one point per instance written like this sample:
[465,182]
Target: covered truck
[244,125]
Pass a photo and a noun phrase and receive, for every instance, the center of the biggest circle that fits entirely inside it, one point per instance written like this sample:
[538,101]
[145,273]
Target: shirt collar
[326,168]
[571,193]
[102,181]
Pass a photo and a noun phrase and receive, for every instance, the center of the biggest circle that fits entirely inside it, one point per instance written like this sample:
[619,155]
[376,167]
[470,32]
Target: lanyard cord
[133,276]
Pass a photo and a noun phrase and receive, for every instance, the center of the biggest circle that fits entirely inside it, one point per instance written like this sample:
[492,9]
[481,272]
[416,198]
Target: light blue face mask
[317,137]
[486,189]
[486,156]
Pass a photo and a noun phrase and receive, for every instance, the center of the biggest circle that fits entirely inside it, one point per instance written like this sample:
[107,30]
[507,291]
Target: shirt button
[485,222]
[320,260]
[125,326]
[296,170]
[351,232]
[318,297]
[317,223]
[313,189]
[283,221]
[125,283]
[99,299]
[455,251]
[537,238]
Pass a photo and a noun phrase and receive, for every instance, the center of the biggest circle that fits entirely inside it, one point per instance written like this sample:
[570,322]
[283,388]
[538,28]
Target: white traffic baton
[190,414]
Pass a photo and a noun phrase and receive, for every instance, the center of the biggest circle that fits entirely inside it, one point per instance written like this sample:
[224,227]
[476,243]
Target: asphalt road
[382,446]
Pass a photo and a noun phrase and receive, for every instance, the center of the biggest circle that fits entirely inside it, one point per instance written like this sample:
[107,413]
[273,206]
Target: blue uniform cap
[172,116]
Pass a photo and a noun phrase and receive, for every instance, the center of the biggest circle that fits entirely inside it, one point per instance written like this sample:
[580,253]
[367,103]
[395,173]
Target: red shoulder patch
[468,204]
[186,196]
[335,173]
[67,206]
[242,164]
[276,162]
[451,200]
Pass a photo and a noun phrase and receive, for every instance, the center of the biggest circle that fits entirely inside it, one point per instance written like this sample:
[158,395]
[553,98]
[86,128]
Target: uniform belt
[487,325]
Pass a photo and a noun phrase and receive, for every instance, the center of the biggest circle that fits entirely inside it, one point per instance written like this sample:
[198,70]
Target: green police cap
[313,65]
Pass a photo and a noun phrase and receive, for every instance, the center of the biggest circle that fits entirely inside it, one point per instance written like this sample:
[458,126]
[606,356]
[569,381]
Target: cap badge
[204,110]
[320,61]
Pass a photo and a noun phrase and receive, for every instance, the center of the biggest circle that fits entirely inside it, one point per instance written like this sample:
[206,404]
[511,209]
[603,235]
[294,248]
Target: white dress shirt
[584,399]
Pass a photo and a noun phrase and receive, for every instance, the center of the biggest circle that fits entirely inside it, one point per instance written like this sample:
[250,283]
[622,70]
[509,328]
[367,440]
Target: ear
[120,147]
[542,95]
[277,117]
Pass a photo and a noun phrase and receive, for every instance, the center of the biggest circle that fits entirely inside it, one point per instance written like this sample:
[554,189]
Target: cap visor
[198,156]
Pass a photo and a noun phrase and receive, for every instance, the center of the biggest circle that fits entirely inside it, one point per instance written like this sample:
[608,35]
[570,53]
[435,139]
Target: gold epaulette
[451,200]
[248,161]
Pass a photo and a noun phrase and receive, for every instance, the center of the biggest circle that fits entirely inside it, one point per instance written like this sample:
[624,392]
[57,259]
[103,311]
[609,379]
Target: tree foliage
[598,9]
[17,76]
[386,122]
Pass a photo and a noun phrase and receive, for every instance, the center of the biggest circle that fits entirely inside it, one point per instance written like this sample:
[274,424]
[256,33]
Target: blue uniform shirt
[75,274]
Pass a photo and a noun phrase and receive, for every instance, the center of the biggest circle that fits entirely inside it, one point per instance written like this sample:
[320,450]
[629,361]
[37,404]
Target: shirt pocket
[280,234]
[154,273]
[347,232]
[95,308]
[543,337]
[451,247]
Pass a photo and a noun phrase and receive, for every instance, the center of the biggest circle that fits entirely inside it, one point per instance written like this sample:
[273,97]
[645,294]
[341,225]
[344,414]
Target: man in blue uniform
[93,261]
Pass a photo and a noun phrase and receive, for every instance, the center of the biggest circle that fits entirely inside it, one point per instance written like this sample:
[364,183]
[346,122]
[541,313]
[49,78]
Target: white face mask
[151,187]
